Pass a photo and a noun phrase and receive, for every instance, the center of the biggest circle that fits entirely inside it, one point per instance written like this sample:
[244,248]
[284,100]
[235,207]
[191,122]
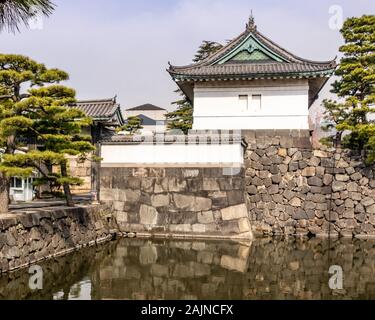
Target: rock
[282,152]
[367,201]
[364,181]
[177,184]
[288,194]
[349,214]
[308,172]
[251,189]
[35,234]
[131,195]
[297,156]
[283,168]
[327,179]
[338,186]
[359,208]
[315,181]
[349,203]
[180,227]
[10,239]
[371,209]
[293,166]
[314,161]
[191,203]
[234,212]
[210,184]
[148,215]
[276,178]
[342,177]
[356,176]
[342,164]
[160,200]
[205,217]
[244,225]
[273,189]
[295,202]
[352,187]
[320,154]
[199,228]
[300,215]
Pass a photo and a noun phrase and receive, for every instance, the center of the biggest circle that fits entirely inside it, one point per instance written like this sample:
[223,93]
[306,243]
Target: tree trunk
[66,186]
[4,194]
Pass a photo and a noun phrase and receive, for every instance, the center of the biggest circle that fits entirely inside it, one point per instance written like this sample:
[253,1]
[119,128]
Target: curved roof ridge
[97,100]
[221,52]
[281,50]
[290,57]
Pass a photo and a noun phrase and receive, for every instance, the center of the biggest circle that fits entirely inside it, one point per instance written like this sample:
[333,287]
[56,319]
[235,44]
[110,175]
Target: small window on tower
[256,102]
[244,101]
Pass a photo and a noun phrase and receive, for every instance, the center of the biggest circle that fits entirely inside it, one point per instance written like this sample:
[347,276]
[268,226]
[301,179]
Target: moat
[139,269]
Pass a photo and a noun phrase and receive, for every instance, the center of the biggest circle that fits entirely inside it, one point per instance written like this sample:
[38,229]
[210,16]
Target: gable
[250,50]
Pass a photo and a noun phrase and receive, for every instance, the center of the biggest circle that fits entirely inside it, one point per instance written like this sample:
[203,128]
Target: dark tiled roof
[251,70]
[101,110]
[291,64]
[146,106]
[98,108]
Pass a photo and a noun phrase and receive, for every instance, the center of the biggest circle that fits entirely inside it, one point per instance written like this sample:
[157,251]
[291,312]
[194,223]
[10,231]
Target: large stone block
[205,217]
[160,200]
[234,212]
[210,184]
[199,228]
[192,203]
[148,215]
[180,227]
[244,225]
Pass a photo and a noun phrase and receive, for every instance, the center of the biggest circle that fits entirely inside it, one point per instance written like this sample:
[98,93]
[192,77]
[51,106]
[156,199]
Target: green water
[267,269]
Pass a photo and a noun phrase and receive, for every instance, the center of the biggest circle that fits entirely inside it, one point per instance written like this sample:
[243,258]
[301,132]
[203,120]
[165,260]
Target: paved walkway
[79,199]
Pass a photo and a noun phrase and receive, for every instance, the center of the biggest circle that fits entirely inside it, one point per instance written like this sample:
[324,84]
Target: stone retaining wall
[293,189]
[31,236]
[179,202]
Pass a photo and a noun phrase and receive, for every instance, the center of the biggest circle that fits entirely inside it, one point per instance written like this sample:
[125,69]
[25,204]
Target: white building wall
[284,105]
[157,115]
[184,154]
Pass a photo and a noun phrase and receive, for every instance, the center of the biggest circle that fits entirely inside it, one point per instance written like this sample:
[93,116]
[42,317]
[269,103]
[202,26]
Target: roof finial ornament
[250,26]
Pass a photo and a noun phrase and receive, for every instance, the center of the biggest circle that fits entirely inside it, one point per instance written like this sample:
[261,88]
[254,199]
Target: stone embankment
[178,202]
[293,189]
[31,236]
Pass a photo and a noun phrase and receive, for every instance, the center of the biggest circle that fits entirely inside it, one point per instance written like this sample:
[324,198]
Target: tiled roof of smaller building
[101,110]
[146,107]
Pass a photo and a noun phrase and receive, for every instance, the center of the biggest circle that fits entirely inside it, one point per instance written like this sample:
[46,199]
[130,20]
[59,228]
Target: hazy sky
[123,47]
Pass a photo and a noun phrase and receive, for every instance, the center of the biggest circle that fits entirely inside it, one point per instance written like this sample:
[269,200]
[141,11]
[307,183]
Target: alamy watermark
[36,278]
[336,20]
[36,21]
[198,137]
[336,281]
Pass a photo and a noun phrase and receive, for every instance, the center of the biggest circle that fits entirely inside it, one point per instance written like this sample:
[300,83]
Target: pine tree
[16,12]
[32,111]
[356,88]
[182,117]
[206,49]
[133,125]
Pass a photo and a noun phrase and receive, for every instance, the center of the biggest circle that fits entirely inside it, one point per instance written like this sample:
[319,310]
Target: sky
[121,47]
